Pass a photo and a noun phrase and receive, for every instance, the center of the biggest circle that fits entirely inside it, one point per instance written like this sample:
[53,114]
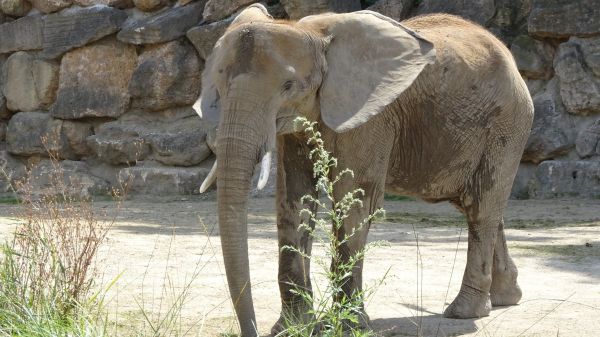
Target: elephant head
[263,73]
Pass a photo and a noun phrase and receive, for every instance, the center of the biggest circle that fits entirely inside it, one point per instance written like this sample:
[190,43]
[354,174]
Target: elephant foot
[293,323]
[505,293]
[469,306]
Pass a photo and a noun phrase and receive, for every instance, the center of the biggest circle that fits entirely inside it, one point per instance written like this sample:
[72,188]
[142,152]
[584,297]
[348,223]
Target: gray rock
[117,143]
[579,88]
[523,181]
[555,179]
[167,25]
[149,5]
[204,37]
[533,57]
[4,112]
[49,6]
[590,48]
[167,75]
[180,149]
[29,83]
[22,34]
[15,7]
[535,86]
[78,26]
[395,9]
[151,178]
[175,140]
[510,19]
[216,10]
[122,4]
[37,133]
[76,134]
[94,80]
[588,141]
[297,9]
[552,131]
[564,18]
[480,11]
[69,178]
[12,172]
[3,126]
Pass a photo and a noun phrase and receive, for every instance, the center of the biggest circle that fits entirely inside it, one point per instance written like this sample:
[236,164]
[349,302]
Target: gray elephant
[433,107]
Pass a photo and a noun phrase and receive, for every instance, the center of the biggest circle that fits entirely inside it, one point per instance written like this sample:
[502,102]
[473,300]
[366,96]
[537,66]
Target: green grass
[9,200]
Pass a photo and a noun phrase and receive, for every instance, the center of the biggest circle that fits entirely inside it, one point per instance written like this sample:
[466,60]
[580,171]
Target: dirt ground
[160,249]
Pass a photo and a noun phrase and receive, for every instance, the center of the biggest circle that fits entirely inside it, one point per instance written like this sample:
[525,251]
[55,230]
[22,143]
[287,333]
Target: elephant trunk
[237,155]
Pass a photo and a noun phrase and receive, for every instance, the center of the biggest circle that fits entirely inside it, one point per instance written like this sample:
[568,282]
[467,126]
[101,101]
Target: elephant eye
[287,85]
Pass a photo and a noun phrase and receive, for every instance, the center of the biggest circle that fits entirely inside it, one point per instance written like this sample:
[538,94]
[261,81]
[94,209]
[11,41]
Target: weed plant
[335,313]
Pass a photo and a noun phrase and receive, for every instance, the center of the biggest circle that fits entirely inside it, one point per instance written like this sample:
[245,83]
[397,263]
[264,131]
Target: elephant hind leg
[504,290]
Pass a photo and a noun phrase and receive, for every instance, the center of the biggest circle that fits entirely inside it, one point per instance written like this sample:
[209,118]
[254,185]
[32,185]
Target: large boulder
[216,10]
[297,9]
[30,83]
[15,7]
[587,143]
[77,26]
[533,57]
[12,171]
[176,139]
[122,4]
[155,179]
[480,11]
[94,80]
[49,6]
[555,179]
[552,133]
[523,181]
[564,18]
[579,80]
[119,143]
[4,112]
[205,37]
[149,5]
[395,9]
[22,34]
[76,134]
[37,133]
[510,19]
[64,178]
[167,75]
[164,26]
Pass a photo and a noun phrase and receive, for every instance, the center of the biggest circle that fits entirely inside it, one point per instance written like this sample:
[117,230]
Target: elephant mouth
[263,178]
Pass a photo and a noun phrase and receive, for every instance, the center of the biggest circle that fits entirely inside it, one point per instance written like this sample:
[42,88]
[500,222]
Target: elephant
[433,107]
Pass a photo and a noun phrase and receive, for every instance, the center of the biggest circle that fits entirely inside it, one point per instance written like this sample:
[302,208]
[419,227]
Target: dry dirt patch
[161,248]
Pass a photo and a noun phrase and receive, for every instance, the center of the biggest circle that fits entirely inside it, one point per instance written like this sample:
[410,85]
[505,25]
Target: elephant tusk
[265,168]
[210,178]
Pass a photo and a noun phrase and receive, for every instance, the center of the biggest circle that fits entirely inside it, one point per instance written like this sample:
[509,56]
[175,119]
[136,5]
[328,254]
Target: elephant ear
[371,60]
[208,105]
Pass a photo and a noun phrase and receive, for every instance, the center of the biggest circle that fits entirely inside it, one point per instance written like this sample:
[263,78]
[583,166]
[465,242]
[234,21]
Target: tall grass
[47,267]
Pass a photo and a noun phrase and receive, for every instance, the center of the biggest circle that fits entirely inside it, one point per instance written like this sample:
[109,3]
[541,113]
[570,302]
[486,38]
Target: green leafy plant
[335,312]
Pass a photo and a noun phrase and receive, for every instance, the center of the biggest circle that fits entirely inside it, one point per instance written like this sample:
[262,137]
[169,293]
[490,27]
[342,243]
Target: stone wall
[107,86]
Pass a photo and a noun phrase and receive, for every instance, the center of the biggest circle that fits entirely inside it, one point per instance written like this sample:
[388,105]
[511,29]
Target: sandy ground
[164,248]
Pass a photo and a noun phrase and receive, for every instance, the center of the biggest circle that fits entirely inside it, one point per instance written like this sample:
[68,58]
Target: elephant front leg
[294,180]
[504,290]
[351,252]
